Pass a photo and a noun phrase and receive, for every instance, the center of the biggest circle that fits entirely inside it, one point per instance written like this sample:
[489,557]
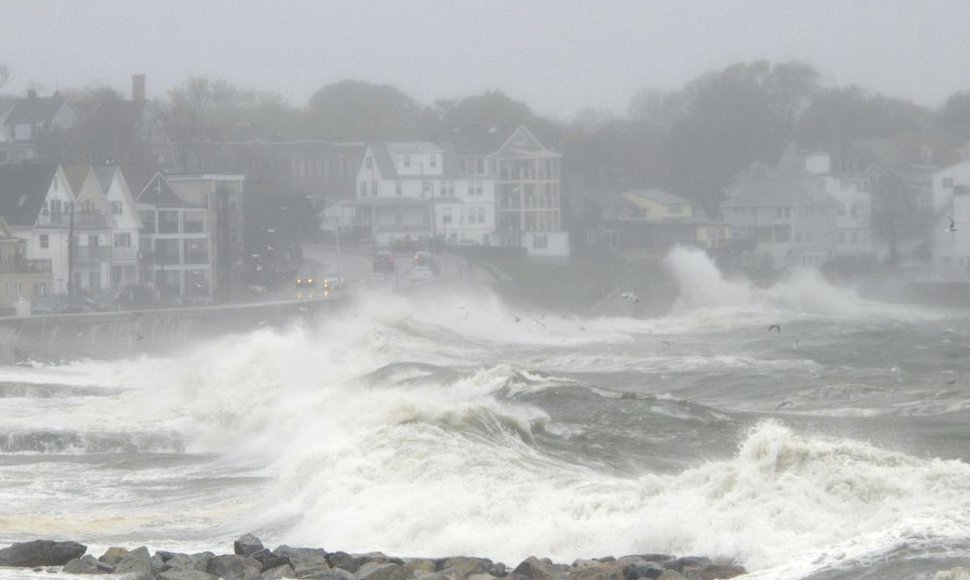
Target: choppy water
[837,448]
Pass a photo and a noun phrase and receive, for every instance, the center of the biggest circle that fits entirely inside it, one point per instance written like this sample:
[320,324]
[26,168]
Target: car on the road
[384,261]
[306,286]
[426,259]
[332,283]
[419,273]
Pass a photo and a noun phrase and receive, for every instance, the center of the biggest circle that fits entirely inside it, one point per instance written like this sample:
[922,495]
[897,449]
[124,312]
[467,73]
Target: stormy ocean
[837,447]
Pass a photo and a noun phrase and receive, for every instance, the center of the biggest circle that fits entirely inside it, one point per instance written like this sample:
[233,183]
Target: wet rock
[279,572]
[342,560]
[41,553]
[137,564]
[379,571]
[671,575]
[688,563]
[450,574]
[158,564]
[420,566]
[594,570]
[305,561]
[377,557]
[233,567]
[538,569]
[483,576]
[190,561]
[247,545]
[642,569]
[186,574]
[341,574]
[718,571]
[269,560]
[953,574]
[166,555]
[87,565]
[113,556]
[466,566]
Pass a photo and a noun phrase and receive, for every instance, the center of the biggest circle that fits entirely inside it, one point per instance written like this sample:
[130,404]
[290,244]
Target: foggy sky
[558,56]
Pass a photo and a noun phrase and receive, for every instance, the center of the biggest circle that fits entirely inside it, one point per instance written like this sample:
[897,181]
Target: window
[373,189]
[407,160]
[195,252]
[147,221]
[362,188]
[123,240]
[45,241]
[168,221]
[446,216]
[193,221]
[368,162]
[116,208]
[427,188]
[434,161]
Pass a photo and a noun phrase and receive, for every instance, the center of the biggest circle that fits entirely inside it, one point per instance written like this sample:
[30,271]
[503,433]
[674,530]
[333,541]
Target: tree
[360,111]
[4,74]
[954,117]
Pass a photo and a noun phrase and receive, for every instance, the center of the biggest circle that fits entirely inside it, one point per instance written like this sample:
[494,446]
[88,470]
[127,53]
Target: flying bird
[139,336]
[775,327]
[516,318]
[953,225]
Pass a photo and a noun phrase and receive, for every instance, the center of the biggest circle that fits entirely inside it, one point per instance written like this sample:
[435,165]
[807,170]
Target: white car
[419,273]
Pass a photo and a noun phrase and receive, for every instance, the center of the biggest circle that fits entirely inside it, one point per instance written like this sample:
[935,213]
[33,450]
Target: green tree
[359,111]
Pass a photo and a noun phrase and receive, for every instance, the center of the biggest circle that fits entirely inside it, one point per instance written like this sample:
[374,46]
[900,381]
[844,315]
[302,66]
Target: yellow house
[20,277]
[658,204]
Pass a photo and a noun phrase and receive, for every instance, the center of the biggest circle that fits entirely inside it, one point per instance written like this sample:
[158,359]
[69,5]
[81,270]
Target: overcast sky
[556,55]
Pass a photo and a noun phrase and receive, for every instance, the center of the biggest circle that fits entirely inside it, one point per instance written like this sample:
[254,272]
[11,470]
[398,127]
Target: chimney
[137,87]
[32,94]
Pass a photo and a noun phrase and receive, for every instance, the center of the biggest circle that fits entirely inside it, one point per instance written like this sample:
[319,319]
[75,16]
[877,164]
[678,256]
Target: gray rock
[420,566]
[593,570]
[720,571]
[378,557]
[953,574]
[537,569]
[284,571]
[341,574]
[158,564]
[342,560]
[269,560]
[305,561]
[467,566]
[379,571]
[689,562]
[247,545]
[113,555]
[166,555]
[41,553]
[671,575]
[450,574]
[186,574]
[87,565]
[190,561]
[483,576]
[136,563]
[642,569]
[233,567]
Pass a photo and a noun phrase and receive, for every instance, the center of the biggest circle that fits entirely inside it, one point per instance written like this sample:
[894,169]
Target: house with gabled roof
[126,225]
[174,243]
[653,219]
[783,216]
[527,176]
[20,277]
[35,203]
[30,118]
[415,191]
[93,227]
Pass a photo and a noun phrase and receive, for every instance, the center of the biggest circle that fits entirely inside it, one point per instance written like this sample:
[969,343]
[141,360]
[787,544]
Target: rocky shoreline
[250,560]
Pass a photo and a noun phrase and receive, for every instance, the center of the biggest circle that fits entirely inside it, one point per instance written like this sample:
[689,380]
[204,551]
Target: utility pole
[70,254]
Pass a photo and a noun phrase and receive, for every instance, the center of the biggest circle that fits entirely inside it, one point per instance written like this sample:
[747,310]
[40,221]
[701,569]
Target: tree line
[692,141]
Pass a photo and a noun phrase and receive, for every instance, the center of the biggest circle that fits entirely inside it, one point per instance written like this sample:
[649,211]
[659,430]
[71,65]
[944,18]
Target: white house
[36,202]
[853,192]
[951,199]
[125,228]
[92,232]
[410,191]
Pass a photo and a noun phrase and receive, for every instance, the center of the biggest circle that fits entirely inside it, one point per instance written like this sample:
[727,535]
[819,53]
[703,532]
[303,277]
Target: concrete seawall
[120,334]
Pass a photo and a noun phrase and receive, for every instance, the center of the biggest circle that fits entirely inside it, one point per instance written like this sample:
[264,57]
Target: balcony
[23,266]
[92,254]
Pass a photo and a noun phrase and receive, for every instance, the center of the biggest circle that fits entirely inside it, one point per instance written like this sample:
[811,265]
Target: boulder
[671,575]
[642,569]
[158,564]
[279,572]
[341,574]
[720,571]
[342,560]
[537,569]
[379,571]
[450,574]
[137,563]
[190,561]
[87,565]
[186,574]
[247,545]
[305,561]
[269,560]
[683,565]
[420,566]
[467,566]
[41,553]
[233,567]
[593,570]
[113,555]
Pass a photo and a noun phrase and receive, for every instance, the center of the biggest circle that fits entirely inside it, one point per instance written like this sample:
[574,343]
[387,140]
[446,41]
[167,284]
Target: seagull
[139,336]
[630,296]
[775,327]
[516,318]
[783,404]
[539,322]
[953,225]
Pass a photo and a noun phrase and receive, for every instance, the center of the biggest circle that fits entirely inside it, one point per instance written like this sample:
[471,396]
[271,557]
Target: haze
[556,56]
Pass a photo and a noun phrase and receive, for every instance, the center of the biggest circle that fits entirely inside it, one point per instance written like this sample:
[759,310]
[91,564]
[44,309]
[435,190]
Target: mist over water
[457,424]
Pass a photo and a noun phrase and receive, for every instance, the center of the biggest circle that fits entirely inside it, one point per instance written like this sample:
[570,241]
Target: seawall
[120,334]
